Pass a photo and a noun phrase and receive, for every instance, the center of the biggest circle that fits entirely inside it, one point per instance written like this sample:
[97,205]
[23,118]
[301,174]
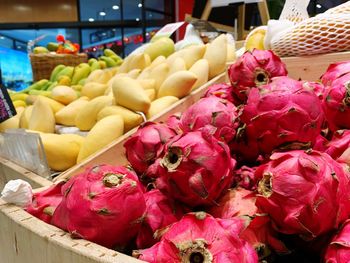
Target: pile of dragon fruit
[255,171]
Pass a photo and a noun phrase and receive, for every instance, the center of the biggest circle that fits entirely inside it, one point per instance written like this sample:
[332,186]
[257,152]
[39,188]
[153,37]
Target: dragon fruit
[335,71]
[339,143]
[336,105]
[143,148]
[305,193]
[173,122]
[254,69]
[259,233]
[104,204]
[45,202]
[282,117]
[318,88]
[338,251]
[222,91]
[245,178]
[195,168]
[160,212]
[321,143]
[199,237]
[214,111]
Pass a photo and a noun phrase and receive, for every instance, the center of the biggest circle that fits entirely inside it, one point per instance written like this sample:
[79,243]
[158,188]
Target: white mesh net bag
[325,33]
[295,10]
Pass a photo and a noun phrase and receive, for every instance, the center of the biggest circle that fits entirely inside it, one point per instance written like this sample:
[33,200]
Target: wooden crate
[24,237]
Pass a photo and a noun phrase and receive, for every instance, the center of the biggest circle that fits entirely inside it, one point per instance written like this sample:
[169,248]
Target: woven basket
[43,64]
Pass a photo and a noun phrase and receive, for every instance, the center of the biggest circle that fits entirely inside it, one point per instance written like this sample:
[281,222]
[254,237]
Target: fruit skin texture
[316,87]
[195,168]
[238,202]
[161,211]
[281,115]
[338,251]
[336,105]
[339,144]
[245,177]
[305,193]
[45,202]
[144,146]
[335,71]
[104,205]
[257,67]
[214,111]
[199,237]
[223,91]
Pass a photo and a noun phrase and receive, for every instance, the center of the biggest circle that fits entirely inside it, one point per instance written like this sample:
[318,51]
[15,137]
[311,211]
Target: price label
[7,110]
[168,29]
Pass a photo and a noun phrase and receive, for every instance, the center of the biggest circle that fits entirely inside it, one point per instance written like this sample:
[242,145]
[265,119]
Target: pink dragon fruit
[305,193]
[339,143]
[338,251]
[321,143]
[316,87]
[104,204]
[143,148]
[160,212]
[335,71]
[282,117]
[222,91]
[173,122]
[254,69]
[259,233]
[336,105]
[214,111]
[245,178]
[199,237]
[195,168]
[44,203]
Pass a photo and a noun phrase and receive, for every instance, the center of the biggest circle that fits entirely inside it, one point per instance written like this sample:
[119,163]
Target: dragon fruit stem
[172,159]
[111,179]
[261,77]
[265,185]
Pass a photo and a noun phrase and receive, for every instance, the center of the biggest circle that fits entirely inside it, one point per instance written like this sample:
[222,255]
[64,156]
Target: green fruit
[162,47]
[109,52]
[82,82]
[55,71]
[95,65]
[40,50]
[92,60]
[80,72]
[36,86]
[40,92]
[109,61]
[52,46]
[67,71]
[53,84]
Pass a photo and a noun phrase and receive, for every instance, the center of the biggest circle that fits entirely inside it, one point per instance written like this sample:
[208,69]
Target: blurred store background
[97,24]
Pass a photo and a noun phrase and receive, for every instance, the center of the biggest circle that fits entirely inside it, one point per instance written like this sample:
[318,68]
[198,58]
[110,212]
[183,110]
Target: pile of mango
[106,103]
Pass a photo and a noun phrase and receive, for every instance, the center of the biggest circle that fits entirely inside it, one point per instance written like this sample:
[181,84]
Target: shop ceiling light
[91,19]
[318,6]
[1,37]
[139,5]
[115,7]
[137,19]
[102,13]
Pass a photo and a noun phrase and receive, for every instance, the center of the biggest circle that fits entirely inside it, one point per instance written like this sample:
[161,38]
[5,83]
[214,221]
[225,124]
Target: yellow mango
[103,133]
[192,54]
[159,105]
[178,84]
[64,94]
[157,61]
[147,83]
[134,73]
[93,89]
[145,74]
[129,93]
[19,103]
[178,65]
[67,115]
[151,93]
[216,54]
[125,66]
[161,47]
[139,61]
[42,118]
[25,117]
[201,70]
[13,122]
[159,74]
[131,119]
[61,149]
[87,117]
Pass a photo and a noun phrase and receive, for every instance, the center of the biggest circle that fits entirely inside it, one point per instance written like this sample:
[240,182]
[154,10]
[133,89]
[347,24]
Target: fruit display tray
[23,236]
